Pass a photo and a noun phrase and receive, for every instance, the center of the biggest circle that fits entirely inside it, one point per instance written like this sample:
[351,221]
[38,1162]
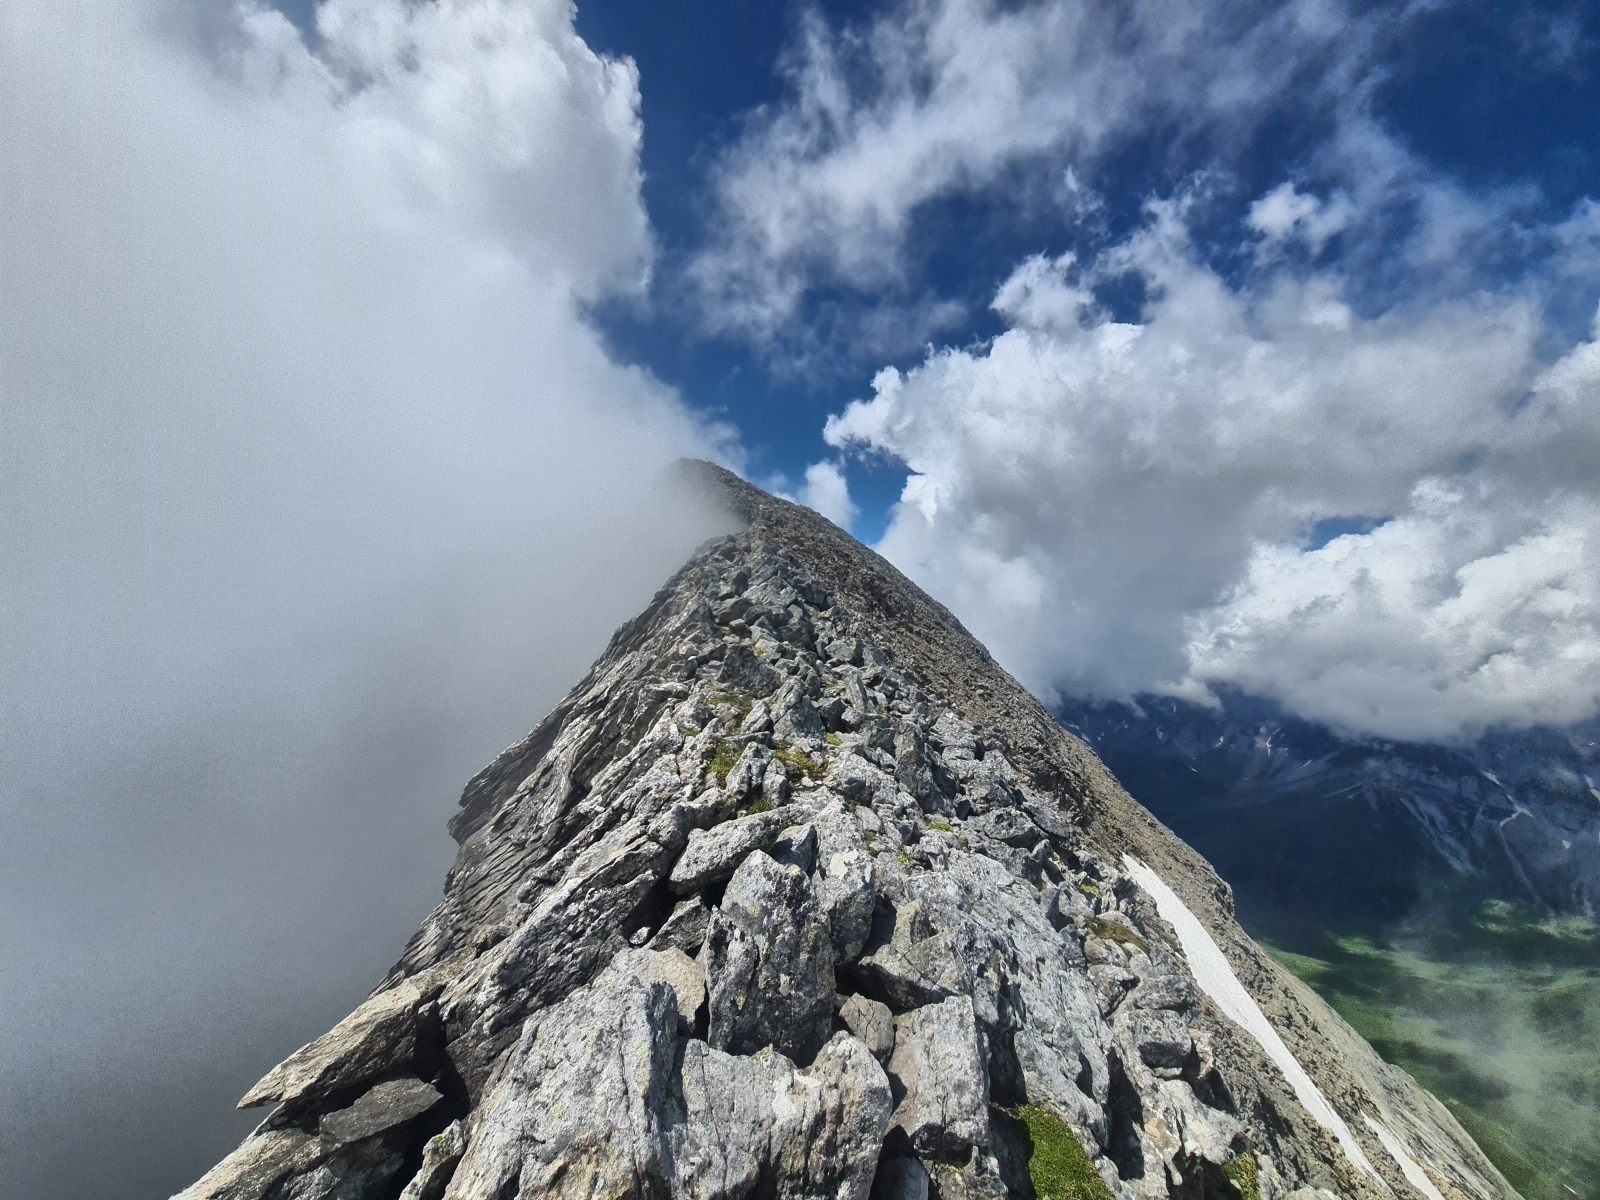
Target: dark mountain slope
[1305,823]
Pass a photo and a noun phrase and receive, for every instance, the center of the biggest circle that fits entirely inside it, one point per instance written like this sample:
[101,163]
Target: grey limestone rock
[900,1178]
[775,784]
[938,1074]
[684,928]
[845,651]
[870,1021]
[387,1104]
[795,720]
[798,894]
[769,963]
[796,847]
[742,670]
[758,1123]
[377,1037]
[1163,1040]
[1008,825]
[440,1154]
[845,881]
[744,780]
[711,855]
[682,974]
[579,1107]
[290,1164]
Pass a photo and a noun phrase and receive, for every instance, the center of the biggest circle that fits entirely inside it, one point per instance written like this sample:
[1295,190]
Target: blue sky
[700,74]
[1493,96]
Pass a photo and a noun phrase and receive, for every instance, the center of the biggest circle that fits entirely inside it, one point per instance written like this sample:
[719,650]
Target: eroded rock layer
[798,894]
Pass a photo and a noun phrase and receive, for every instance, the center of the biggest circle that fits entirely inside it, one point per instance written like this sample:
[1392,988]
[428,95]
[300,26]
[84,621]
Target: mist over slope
[315,478]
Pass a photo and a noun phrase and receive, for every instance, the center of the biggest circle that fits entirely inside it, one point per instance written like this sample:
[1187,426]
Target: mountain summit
[798,894]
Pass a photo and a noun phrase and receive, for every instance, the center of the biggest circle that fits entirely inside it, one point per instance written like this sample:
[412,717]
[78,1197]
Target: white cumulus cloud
[1122,507]
[1286,212]
[826,490]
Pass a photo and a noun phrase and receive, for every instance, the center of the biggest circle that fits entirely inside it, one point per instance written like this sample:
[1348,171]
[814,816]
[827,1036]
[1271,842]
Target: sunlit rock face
[798,894]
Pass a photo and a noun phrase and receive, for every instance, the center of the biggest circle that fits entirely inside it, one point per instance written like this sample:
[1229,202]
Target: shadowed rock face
[798,894]
[1309,825]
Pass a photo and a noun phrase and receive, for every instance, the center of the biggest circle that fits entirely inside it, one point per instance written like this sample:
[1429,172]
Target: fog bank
[316,489]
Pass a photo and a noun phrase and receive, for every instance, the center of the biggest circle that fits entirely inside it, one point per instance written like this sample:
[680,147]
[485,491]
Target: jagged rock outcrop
[798,894]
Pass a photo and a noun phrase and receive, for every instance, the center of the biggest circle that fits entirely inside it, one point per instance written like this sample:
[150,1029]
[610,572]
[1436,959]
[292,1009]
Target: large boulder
[375,1039]
[604,1097]
[711,855]
[769,963]
[390,1103]
[759,1123]
[940,1081]
[577,1109]
[845,881]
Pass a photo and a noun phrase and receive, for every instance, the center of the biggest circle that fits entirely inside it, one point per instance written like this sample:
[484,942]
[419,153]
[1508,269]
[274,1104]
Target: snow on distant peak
[1213,973]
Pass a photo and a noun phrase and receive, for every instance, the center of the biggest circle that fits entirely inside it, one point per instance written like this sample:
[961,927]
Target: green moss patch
[722,760]
[740,704]
[1114,931]
[1243,1175]
[797,761]
[1057,1162]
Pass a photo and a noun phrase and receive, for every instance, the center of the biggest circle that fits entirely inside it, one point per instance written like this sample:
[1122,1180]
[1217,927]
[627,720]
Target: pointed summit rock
[798,894]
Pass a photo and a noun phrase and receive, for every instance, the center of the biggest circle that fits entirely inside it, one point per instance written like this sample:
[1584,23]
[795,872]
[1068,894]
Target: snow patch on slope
[1215,977]
[1409,1167]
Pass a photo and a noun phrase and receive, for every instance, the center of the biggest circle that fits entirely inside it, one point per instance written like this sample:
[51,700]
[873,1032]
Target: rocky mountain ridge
[798,894]
[1295,816]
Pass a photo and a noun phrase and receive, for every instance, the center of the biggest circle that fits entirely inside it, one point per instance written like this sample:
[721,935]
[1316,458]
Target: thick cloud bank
[316,489]
[1119,507]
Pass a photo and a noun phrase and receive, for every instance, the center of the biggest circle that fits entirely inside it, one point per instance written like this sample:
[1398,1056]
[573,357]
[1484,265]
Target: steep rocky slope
[798,894]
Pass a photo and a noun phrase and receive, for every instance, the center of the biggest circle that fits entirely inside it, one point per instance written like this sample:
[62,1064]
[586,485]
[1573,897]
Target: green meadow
[1494,1011]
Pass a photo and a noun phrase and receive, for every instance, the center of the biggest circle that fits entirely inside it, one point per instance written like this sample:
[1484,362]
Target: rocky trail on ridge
[799,894]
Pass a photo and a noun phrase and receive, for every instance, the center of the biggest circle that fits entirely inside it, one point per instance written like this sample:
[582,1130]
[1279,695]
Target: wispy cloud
[1116,490]
[939,97]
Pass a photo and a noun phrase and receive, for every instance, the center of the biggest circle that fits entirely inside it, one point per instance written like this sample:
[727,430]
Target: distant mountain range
[1307,824]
